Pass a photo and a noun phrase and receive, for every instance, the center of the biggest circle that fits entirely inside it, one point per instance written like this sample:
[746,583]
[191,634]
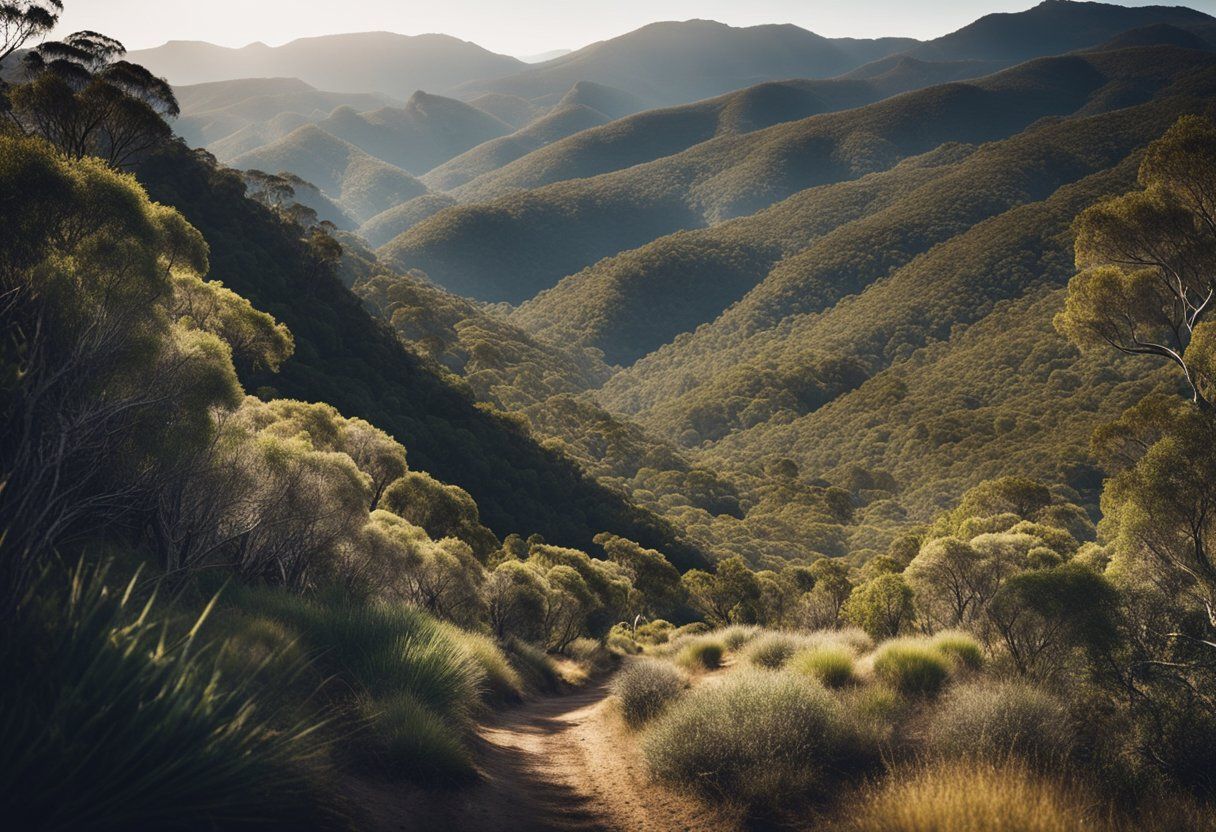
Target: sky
[516,27]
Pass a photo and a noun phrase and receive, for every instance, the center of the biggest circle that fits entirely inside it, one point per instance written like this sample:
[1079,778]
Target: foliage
[700,653]
[830,665]
[121,722]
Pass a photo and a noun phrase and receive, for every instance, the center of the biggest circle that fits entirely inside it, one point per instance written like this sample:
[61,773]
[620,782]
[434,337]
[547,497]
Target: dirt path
[555,764]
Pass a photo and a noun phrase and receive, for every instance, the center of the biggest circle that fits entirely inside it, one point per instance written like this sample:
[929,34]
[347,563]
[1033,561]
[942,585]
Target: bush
[657,631]
[645,687]
[762,738]
[994,720]
[965,797]
[112,722]
[831,665]
[700,654]
[963,650]
[911,666]
[772,650]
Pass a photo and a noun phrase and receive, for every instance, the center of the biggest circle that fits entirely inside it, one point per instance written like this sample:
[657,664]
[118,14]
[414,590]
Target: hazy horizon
[546,25]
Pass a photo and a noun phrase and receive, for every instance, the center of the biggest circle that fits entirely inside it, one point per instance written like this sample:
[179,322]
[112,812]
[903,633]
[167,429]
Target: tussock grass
[831,665]
[503,682]
[911,666]
[701,653]
[772,649]
[961,648]
[110,720]
[737,635]
[997,719]
[535,667]
[646,687]
[761,738]
[407,739]
[962,796]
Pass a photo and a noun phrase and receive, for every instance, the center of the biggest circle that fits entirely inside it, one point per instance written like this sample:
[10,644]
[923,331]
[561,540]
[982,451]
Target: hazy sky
[522,27]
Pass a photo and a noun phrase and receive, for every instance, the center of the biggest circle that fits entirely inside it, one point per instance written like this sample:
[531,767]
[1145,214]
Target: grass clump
[503,682]
[114,719]
[911,666]
[965,797]
[994,720]
[761,738]
[535,666]
[831,665]
[700,654]
[646,687]
[772,650]
[737,635]
[961,648]
[408,739]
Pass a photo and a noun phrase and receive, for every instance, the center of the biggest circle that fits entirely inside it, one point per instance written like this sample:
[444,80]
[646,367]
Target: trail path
[555,764]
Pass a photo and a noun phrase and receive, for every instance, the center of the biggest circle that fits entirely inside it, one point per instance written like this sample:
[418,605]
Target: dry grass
[968,797]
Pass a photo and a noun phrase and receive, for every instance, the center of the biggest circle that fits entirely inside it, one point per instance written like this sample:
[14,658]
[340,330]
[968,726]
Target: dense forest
[710,428]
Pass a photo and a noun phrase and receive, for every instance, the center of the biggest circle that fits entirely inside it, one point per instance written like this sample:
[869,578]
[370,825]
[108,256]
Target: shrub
[772,650]
[645,687]
[112,722]
[408,739]
[761,738]
[623,644]
[963,650]
[831,665]
[911,666]
[700,654]
[737,635]
[965,797]
[657,631]
[996,719]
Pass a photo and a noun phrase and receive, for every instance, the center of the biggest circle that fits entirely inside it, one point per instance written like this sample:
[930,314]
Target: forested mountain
[630,304]
[505,249]
[676,62]
[357,181]
[428,130]
[230,117]
[367,62]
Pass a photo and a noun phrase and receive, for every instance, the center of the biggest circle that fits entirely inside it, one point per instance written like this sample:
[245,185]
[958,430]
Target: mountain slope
[361,184]
[382,62]
[217,112]
[515,246]
[631,304]
[428,130]
[676,62]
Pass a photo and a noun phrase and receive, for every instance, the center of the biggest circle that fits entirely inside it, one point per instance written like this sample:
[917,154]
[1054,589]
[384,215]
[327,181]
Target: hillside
[505,249]
[215,114]
[1050,28]
[563,120]
[361,184]
[677,62]
[829,236]
[888,369]
[381,62]
[346,359]
[428,130]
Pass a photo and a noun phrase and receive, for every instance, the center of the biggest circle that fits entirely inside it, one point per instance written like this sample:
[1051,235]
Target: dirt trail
[555,764]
